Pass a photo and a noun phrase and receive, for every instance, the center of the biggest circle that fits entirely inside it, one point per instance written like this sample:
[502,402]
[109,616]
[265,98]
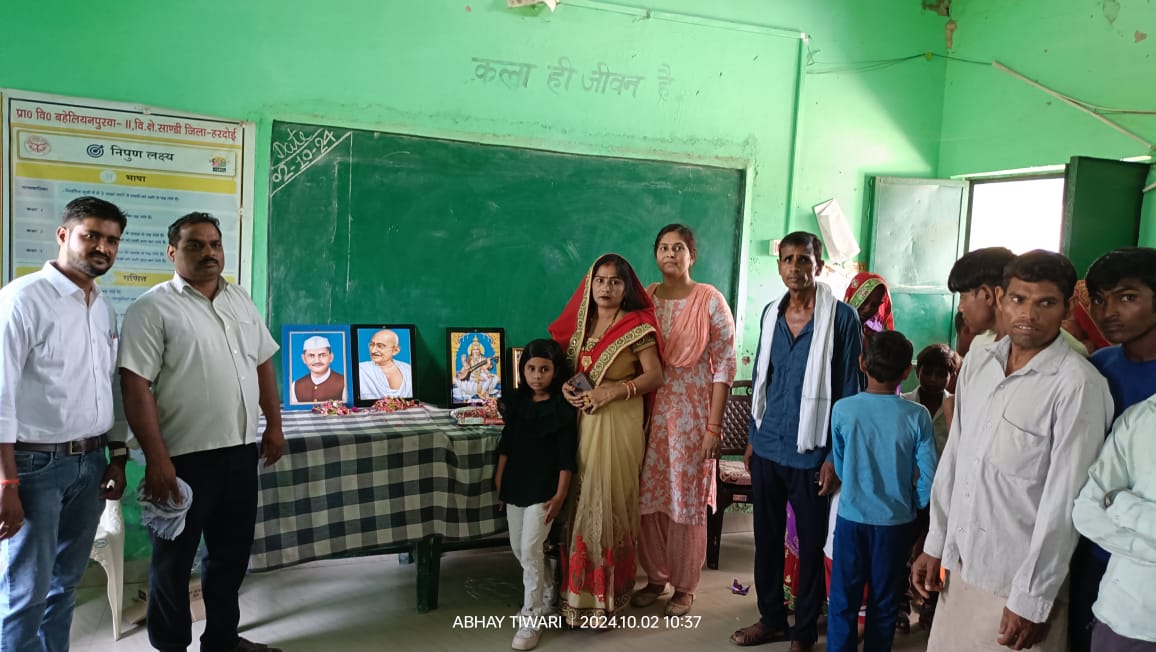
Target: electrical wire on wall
[816,67]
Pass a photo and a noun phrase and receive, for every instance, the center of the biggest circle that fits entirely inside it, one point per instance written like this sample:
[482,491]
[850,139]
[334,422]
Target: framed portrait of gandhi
[474,360]
[384,355]
[315,362]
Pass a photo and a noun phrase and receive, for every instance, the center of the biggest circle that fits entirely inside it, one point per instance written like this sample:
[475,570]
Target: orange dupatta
[690,333]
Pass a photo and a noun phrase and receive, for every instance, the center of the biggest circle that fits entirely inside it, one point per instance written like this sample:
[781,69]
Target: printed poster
[155,167]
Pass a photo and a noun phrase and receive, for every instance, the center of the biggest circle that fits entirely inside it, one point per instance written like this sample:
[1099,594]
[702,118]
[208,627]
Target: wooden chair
[733,482]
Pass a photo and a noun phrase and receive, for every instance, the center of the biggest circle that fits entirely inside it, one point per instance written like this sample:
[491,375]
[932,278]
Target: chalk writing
[302,153]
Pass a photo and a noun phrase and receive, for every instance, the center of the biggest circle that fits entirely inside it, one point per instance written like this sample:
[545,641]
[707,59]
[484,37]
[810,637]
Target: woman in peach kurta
[678,472]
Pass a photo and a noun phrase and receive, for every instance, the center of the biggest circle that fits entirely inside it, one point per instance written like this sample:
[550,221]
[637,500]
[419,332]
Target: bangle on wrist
[9,482]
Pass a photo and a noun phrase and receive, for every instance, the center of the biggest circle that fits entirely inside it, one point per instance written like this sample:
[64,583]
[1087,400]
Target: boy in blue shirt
[883,449]
[1121,285]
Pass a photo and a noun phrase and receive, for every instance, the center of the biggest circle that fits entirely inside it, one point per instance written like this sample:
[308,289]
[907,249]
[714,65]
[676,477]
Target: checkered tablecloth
[351,484]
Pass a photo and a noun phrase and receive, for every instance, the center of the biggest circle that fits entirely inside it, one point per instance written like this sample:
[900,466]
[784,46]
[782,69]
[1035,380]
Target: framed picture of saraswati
[474,361]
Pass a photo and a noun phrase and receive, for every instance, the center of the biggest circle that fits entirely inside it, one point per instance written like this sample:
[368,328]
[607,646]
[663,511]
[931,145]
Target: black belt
[75,447]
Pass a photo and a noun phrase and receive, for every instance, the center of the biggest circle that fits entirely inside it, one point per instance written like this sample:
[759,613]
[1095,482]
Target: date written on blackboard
[297,151]
[559,77]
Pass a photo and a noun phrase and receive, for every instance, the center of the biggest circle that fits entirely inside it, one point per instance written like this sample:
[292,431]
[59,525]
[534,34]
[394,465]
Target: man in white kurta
[1030,415]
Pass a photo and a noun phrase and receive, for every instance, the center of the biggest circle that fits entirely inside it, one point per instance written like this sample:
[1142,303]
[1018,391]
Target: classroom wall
[1100,52]
[406,66]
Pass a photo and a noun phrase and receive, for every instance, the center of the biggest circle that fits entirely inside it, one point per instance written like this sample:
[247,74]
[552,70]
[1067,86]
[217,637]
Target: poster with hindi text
[155,166]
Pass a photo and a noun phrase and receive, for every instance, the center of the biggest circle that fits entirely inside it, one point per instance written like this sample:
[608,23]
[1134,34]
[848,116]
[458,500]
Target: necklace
[592,341]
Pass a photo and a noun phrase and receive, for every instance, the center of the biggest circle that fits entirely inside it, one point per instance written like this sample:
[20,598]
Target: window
[1020,213]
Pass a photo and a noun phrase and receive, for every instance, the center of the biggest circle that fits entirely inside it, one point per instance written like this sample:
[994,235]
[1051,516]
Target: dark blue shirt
[778,438]
[1130,382]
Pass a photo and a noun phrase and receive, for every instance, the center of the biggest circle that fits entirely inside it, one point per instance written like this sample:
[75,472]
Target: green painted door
[1102,203]
[916,238]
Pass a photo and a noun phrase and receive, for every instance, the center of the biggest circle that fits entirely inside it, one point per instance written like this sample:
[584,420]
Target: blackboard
[368,227]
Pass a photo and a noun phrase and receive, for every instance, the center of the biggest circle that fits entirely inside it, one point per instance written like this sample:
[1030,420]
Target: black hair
[683,232]
[1037,266]
[82,207]
[552,351]
[632,297]
[936,356]
[804,239]
[888,356]
[1129,262]
[191,218]
[979,267]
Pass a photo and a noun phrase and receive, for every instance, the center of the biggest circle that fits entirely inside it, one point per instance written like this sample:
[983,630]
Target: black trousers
[772,486]
[224,509]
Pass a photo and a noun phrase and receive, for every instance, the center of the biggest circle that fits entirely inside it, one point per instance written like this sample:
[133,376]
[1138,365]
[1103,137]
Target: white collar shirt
[201,357]
[1126,526]
[57,362]
[1018,453]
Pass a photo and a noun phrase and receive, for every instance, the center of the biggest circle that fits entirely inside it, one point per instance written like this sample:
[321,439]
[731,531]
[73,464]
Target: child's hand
[554,506]
[925,575]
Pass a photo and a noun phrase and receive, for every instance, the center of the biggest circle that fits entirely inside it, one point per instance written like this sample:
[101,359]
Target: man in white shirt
[196,363]
[1030,415]
[1117,510]
[57,413]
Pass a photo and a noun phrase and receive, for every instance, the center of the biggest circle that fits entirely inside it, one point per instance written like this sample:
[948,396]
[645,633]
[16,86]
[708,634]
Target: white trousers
[528,532]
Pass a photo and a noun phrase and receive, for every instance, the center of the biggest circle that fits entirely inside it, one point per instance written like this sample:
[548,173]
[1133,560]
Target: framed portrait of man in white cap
[315,363]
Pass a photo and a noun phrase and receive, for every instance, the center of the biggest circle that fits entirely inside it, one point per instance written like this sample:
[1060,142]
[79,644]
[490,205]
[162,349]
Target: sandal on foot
[676,608]
[758,634]
[647,595]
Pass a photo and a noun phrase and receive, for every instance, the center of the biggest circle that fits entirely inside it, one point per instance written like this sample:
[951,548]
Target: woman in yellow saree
[610,334]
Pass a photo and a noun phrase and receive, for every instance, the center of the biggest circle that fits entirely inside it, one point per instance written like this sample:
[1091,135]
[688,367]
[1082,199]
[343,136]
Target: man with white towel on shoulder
[808,358]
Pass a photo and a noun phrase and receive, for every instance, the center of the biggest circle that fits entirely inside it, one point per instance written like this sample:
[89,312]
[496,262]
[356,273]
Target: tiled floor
[368,604]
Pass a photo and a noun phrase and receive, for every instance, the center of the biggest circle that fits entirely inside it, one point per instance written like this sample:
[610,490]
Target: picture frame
[311,373]
[516,366]
[384,356]
[474,362]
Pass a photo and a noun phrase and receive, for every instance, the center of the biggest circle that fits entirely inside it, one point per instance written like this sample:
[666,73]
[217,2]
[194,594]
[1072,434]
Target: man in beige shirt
[1030,415]
[196,363]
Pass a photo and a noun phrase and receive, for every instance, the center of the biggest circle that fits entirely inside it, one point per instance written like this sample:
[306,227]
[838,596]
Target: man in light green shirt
[1117,510]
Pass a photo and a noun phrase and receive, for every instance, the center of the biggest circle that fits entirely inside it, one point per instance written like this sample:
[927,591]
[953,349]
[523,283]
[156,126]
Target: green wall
[407,67]
[1099,52]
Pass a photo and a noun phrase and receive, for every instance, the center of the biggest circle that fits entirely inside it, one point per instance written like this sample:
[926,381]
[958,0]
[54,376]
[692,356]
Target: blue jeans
[44,562]
[875,555]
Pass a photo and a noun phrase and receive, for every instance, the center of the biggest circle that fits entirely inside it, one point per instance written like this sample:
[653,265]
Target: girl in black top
[537,456]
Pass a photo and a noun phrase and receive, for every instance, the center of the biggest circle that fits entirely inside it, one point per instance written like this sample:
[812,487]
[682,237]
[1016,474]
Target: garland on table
[478,413]
[337,408]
